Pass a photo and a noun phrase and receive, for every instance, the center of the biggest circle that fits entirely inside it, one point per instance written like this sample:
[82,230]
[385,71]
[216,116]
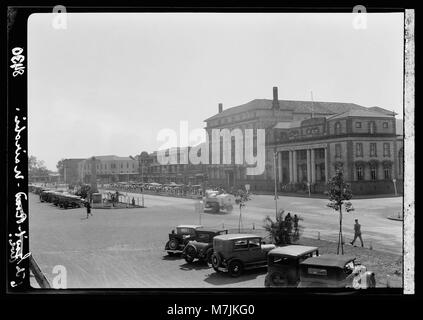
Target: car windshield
[189,231]
[254,243]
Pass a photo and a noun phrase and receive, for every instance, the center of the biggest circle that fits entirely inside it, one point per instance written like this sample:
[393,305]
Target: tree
[84,191]
[241,197]
[339,193]
[281,230]
[36,167]
[61,167]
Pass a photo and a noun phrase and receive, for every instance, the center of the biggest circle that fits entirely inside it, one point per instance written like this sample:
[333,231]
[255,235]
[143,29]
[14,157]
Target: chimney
[220,108]
[275,102]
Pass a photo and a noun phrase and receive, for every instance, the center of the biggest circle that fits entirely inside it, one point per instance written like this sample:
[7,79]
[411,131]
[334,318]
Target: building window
[372,127]
[373,174]
[337,128]
[358,125]
[373,151]
[338,151]
[359,173]
[387,173]
[386,150]
[385,125]
[359,150]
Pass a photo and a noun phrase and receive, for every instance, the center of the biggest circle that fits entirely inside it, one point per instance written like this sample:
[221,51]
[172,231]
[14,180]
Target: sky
[108,83]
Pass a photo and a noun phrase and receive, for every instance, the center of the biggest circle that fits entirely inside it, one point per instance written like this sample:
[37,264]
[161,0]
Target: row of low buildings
[305,142]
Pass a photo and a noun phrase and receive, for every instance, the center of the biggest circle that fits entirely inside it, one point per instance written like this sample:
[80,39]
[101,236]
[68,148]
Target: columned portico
[308,166]
[314,160]
[290,159]
[313,166]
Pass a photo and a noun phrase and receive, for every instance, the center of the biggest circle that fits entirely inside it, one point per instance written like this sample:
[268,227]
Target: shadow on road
[172,257]
[196,265]
[221,278]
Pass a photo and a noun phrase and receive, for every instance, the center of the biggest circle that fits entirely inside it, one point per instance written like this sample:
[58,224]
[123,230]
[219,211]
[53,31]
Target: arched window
[337,128]
[373,172]
[359,172]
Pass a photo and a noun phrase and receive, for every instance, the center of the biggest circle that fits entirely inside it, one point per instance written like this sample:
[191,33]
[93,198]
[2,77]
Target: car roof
[329,260]
[210,229]
[193,226]
[292,250]
[234,236]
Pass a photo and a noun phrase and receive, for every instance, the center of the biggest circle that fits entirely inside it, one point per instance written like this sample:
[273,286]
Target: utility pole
[275,155]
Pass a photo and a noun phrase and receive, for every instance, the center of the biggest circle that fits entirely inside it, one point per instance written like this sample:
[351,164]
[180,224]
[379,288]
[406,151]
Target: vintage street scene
[216,150]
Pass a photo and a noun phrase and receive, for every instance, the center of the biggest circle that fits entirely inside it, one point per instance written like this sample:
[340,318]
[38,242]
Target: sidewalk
[323,196]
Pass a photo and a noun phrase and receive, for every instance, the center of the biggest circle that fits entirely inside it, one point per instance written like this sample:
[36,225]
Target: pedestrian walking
[88,206]
[357,233]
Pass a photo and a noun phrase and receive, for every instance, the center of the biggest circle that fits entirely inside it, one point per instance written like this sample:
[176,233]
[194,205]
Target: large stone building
[309,140]
[109,169]
[305,142]
[181,173]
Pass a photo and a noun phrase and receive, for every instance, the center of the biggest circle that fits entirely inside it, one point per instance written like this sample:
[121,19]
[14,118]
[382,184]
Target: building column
[294,166]
[280,166]
[308,166]
[290,166]
[313,166]
[326,165]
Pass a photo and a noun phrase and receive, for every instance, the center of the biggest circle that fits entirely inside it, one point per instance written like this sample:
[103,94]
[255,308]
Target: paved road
[378,231]
[123,248]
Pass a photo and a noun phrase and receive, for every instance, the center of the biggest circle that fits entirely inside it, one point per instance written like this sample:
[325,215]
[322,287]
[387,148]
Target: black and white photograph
[213,150]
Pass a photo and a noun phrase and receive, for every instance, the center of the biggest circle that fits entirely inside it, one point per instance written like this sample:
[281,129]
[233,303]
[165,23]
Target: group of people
[292,222]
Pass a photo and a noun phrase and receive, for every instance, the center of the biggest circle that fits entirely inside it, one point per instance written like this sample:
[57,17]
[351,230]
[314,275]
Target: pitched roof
[360,113]
[295,106]
[112,157]
[381,110]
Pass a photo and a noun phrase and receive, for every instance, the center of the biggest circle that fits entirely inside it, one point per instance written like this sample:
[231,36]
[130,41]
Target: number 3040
[17,61]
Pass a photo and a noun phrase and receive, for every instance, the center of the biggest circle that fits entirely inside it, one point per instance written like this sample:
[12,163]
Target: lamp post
[275,155]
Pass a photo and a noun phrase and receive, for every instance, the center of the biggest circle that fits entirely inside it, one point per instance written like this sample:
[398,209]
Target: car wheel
[235,268]
[173,244]
[215,260]
[190,253]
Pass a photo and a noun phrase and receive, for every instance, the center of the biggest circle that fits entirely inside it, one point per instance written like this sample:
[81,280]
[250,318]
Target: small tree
[84,191]
[281,230]
[339,193]
[241,197]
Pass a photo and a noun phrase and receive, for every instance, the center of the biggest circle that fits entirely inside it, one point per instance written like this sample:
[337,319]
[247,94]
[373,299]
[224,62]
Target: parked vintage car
[179,239]
[234,253]
[202,247]
[336,271]
[61,199]
[283,265]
